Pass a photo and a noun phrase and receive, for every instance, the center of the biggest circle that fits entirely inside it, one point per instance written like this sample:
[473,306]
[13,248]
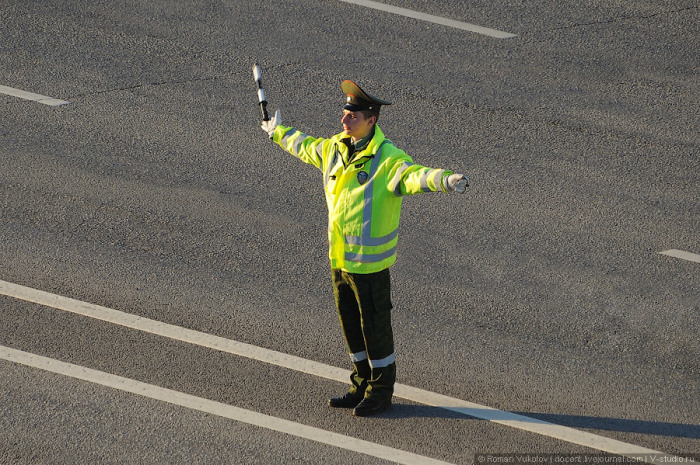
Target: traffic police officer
[365,177]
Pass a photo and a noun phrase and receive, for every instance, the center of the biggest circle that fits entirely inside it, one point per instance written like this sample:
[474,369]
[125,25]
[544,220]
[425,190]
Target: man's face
[356,125]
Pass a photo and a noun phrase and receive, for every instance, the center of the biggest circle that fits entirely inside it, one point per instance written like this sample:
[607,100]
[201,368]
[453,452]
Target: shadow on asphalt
[678,430]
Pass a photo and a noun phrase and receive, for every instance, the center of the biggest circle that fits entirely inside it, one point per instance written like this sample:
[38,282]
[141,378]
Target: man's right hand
[270,125]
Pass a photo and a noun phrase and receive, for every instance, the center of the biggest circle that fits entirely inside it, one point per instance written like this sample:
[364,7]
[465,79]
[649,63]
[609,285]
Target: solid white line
[215,408]
[432,19]
[54,102]
[691,257]
[292,362]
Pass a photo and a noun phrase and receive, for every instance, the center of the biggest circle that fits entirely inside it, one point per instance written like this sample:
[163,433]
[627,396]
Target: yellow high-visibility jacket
[363,194]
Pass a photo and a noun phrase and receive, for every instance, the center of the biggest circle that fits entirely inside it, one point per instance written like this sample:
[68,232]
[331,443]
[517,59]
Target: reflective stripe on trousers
[381,363]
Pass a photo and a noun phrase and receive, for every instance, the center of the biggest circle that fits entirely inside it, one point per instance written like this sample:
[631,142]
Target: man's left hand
[457,183]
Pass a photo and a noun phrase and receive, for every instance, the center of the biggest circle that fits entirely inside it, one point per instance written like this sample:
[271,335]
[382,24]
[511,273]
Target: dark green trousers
[364,309]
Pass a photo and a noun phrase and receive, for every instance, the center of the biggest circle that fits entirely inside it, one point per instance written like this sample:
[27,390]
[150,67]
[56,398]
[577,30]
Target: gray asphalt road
[154,192]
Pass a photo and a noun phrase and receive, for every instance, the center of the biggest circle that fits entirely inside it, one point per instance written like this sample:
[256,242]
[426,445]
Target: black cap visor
[357,104]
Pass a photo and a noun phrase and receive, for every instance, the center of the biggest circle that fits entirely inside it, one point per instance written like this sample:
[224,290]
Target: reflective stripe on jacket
[363,194]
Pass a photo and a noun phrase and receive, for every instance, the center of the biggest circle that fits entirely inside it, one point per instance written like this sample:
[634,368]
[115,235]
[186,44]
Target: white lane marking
[682,254]
[54,102]
[215,408]
[432,19]
[292,362]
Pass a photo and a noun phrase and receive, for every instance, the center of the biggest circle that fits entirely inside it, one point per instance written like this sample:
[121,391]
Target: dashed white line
[522,422]
[691,257]
[54,102]
[215,408]
[432,19]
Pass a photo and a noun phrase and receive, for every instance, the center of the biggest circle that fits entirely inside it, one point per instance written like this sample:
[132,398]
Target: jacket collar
[365,153]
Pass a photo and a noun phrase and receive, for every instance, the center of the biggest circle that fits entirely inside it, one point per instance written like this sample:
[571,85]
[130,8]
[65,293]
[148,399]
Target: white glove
[457,183]
[270,125]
